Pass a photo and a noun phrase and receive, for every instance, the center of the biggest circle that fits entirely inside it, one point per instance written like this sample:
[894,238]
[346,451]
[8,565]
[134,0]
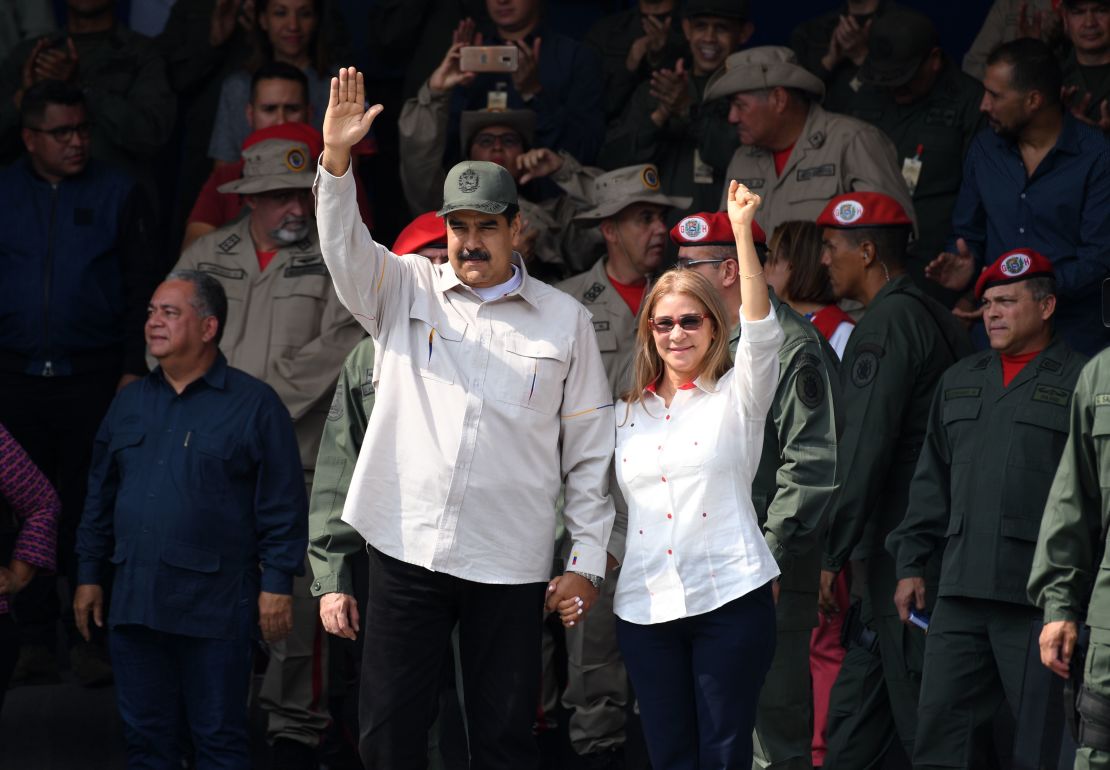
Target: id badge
[911,172]
[703,172]
[497,100]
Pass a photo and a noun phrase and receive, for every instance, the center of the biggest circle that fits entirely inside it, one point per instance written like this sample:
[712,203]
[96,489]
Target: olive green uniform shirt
[834,154]
[892,364]
[332,541]
[796,481]
[1070,578]
[984,473]
[614,323]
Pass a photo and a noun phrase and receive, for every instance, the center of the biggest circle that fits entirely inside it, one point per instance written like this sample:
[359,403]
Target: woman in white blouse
[696,617]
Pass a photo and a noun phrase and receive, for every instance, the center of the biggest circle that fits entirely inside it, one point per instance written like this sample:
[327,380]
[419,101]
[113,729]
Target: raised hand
[54,63]
[347,120]
[526,79]
[448,74]
[538,163]
[742,205]
[953,271]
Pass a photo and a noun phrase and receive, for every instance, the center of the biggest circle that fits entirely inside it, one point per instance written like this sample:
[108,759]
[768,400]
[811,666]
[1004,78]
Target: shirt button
[664,478]
[669,516]
[316,585]
[161,462]
[669,552]
[1021,229]
[474,383]
[1023,196]
[668,417]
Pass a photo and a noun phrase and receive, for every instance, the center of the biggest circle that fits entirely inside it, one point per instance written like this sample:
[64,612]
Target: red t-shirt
[1012,366]
[264,258]
[631,293]
[780,159]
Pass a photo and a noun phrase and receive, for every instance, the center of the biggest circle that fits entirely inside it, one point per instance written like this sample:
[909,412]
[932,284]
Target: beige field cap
[274,164]
[619,189]
[759,68]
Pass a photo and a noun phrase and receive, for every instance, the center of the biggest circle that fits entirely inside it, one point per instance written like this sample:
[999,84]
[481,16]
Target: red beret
[420,233]
[1011,267]
[294,132]
[863,209]
[710,228]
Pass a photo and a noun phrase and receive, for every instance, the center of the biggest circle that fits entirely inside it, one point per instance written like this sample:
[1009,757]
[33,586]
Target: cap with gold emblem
[477,185]
[278,158]
[616,190]
[1014,266]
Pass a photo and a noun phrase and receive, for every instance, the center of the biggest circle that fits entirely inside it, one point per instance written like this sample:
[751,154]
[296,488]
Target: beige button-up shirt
[483,409]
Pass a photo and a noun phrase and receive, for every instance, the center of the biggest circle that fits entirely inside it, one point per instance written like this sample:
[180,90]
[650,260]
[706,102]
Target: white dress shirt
[484,408]
[693,542]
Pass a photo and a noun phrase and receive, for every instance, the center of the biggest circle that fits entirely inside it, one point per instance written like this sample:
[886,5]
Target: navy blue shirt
[198,500]
[1062,211]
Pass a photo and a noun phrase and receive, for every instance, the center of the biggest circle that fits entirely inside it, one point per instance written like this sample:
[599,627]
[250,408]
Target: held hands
[347,120]
[339,615]
[742,205]
[88,597]
[275,615]
[572,596]
[1057,645]
[910,594]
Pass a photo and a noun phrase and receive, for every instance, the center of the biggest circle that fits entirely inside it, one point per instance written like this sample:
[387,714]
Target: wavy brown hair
[647,365]
[798,244]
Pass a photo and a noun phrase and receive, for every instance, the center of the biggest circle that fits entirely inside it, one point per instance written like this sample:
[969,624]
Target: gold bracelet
[753,275]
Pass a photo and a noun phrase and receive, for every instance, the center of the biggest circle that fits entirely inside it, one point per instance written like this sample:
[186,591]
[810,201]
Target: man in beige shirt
[285,326]
[793,153]
[491,394]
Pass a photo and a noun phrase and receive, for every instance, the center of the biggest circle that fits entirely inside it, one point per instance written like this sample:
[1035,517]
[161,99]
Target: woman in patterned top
[29,509]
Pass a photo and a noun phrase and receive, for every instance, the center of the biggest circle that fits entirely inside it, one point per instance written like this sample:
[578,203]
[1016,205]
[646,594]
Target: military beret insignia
[848,212]
[809,386]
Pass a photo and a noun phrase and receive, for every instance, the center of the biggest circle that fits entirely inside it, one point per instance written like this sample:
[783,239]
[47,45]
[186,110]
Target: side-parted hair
[798,244]
[209,297]
[44,93]
[647,366]
[1033,67]
[279,70]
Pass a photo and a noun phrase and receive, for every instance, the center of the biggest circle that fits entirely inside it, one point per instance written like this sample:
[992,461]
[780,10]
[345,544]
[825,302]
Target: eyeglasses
[507,141]
[689,322]
[62,134]
[684,264]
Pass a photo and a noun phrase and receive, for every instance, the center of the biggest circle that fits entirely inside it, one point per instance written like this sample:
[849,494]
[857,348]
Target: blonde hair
[647,365]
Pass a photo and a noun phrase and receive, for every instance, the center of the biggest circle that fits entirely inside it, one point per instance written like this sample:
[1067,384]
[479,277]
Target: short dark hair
[44,93]
[1033,67]
[798,244]
[279,70]
[209,297]
[510,213]
[890,242]
[1042,286]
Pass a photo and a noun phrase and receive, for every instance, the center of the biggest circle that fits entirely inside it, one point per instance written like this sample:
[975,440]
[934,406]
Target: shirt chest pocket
[1040,431]
[208,463]
[1100,436]
[297,310]
[812,180]
[436,344]
[125,448]
[532,372]
[960,417]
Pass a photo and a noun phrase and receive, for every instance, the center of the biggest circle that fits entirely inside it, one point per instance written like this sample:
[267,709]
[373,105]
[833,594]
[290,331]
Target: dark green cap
[900,40]
[477,185]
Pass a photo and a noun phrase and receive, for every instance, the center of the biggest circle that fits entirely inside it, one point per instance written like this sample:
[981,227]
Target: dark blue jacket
[198,500]
[78,271]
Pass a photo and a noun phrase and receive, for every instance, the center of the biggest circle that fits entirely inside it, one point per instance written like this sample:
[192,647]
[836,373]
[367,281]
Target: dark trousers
[697,680]
[167,684]
[55,419]
[9,650]
[410,614]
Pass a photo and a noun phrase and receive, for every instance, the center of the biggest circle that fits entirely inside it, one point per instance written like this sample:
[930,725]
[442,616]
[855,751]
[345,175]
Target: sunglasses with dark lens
[689,322]
[507,141]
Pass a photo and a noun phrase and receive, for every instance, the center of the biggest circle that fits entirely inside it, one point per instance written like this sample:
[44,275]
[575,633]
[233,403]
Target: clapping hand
[671,90]
[953,271]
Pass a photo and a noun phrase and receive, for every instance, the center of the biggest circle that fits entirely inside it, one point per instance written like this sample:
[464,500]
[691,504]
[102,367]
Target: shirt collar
[700,383]
[446,279]
[215,377]
[1067,141]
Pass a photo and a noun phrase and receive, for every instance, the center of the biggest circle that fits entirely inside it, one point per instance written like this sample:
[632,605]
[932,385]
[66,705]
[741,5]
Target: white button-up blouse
[693,542]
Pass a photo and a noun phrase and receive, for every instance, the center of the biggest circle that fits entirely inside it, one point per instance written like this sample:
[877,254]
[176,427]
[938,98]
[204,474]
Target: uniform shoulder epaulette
[593,292]
[980,362]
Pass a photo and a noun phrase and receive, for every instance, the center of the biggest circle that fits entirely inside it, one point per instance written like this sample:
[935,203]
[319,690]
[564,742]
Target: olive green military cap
[900,40]
[616,190]
[274,164]
[477,185]
[760,68]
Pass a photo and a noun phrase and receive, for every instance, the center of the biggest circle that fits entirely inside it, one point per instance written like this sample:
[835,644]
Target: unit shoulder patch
[809,386]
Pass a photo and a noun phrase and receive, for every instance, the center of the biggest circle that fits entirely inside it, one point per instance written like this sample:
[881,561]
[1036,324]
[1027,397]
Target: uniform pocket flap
[1050,417]
[1101,426]
[523,346]
[1021,529]
[122,440]
[217,446]
[190,557]
[960,409]
[422,310]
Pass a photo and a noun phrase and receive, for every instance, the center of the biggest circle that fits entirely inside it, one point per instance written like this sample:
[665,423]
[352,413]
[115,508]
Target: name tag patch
[827,169]
[1051,395]
[952,393]
[234,273]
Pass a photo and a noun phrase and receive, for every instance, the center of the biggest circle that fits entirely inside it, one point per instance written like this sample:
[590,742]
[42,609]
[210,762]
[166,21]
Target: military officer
[287,327]
[793,153]
[793,487]
[891,367]
[930,110]
[630,210]
[1070,580]
[996,429]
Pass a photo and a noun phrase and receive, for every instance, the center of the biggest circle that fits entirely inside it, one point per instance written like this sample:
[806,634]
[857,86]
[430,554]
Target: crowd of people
[754,394]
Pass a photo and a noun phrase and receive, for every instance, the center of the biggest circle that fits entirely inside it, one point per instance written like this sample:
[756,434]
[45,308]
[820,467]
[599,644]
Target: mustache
[478,255]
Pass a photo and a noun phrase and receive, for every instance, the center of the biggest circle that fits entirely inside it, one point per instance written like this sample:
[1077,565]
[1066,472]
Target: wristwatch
[595,581]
